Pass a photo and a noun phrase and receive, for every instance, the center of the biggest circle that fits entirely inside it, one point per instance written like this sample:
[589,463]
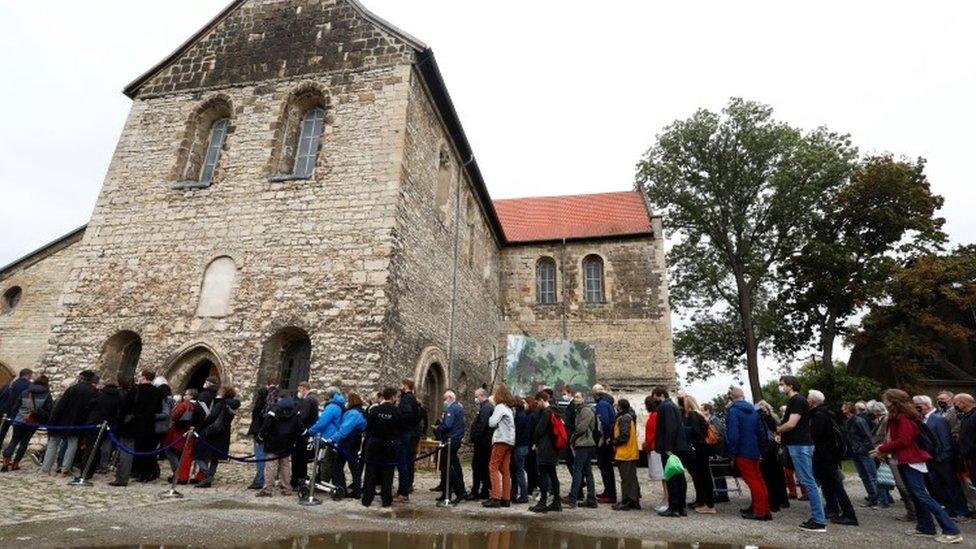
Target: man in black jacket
[670,440]
[108,402]
[481,440]
[10,399]
[137,427]
[264,401]
[70,410]
[828,452]
[383,428]
[409,439]
[308,411]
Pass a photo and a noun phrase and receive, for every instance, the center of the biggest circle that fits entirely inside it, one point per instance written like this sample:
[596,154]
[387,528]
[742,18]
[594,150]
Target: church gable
[255,40]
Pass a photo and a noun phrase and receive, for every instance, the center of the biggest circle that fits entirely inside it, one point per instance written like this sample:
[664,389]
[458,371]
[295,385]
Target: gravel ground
[45,512]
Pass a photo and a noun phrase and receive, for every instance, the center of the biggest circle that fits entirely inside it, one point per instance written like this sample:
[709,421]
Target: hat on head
[213,380]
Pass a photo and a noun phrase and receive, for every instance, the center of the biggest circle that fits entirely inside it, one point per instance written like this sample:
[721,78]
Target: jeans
[802,457]
[53,447]
[207,467]
[925,506]
[868,472]
[518,472]
[480,482]
[405,462]
[18,442]
[583,474]
[349,455]
[259,465]
[945,487]
[454,476]
[378,453]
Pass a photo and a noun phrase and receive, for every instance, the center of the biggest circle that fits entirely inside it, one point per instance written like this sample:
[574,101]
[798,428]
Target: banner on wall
[534,363]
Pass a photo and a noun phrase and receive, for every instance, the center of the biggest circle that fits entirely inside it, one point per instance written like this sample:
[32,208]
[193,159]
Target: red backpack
[560,437]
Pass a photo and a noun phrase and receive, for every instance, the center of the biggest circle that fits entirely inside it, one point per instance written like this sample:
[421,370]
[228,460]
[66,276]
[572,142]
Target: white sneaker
[661,508]
[948,538]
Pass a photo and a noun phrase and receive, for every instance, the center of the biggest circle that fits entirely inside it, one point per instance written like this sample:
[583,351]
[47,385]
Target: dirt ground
[45,512]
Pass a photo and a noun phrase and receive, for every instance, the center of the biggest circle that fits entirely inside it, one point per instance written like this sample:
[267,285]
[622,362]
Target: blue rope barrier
[122,447]
[43,427]
[247,459]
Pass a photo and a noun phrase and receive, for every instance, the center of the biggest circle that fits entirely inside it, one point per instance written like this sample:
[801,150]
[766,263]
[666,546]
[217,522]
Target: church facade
[293,196]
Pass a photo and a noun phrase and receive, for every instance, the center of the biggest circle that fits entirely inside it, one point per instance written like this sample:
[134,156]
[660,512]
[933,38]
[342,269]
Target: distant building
[293,195]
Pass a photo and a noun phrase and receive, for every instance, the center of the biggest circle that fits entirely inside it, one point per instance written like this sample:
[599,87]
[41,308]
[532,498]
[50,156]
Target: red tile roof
[539,219]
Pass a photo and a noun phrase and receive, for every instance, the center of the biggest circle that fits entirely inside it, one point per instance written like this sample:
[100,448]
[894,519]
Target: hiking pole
[172,493]
[446,502]
[310,500]
[90,462]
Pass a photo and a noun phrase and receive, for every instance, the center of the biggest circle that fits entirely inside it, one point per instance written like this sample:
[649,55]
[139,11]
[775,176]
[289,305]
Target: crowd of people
[923,449]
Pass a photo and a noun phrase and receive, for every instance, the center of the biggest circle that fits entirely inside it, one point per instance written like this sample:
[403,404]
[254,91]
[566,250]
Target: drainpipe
[562,270]
[454,283]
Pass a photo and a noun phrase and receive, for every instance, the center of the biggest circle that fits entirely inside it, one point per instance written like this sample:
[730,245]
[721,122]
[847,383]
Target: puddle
[535,538]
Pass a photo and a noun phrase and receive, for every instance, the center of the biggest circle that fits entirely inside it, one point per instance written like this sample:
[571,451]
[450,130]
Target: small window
[545,281]
[308,142]
[11,298]
[217,134]
[593,279]
[444,176]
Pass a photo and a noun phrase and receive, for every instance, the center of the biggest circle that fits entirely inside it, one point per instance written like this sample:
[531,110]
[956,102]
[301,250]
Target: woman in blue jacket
[349,439]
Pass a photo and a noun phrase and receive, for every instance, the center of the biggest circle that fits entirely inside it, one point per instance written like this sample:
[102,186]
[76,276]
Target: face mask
[446,403]
[918,409]
[943,406]
[782,389]
[959,410]
[681,402]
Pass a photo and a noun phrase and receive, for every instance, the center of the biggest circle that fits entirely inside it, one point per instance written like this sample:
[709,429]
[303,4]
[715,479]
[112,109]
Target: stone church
[293,195]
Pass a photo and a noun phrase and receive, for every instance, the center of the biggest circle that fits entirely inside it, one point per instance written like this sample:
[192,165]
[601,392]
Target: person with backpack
[215,434]
[502,422]
[34,408]
[904,435]
[10,399]
[480,438]
[626,454]
[583,443]
[604,452]
[349,440]
[548,430]
[280,430]
[264,401]
[829,448]
[745,436]
[409,440]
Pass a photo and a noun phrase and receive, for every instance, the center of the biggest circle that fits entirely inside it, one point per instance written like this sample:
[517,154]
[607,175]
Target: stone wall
[311,254]
[631,331]
[422,274]
[24,330]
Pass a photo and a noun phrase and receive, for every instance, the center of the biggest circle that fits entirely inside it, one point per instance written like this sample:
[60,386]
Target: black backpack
[927,441]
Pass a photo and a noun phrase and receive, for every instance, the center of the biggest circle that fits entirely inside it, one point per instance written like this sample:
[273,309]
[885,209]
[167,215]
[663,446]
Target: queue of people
[924,449]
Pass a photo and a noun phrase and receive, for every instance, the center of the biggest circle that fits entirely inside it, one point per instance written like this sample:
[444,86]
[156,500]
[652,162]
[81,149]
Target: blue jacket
[606,415]
[353,422]
[452,424]
[330,419]
[743,437]
[940,427]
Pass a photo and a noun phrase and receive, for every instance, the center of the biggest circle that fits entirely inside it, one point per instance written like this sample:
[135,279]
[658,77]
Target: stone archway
[192,365]
[6,374]
[120,356]
[431,380]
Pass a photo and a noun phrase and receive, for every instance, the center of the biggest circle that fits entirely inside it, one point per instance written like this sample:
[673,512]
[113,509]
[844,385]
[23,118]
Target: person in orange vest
[626,454]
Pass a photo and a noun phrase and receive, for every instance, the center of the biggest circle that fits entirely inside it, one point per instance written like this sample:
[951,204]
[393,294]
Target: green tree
[863,228]
[737,188]
[928,311]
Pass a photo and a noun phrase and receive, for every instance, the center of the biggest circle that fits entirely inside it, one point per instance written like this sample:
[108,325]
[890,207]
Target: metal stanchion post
[90,462]
[172,493]
[310,500]
[446,502]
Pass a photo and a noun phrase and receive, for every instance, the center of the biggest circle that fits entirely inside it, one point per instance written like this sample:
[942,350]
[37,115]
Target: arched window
[593,279]
[298,135]
[444,176]
[308,142]
[545,281]
[218,285]
[203,143]
[218,132]
[11,298]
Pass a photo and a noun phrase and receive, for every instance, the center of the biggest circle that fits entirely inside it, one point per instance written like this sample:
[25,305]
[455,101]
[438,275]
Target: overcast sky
[556,97]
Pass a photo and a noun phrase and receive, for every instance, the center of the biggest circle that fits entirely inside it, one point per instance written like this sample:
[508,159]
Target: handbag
[885,478]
